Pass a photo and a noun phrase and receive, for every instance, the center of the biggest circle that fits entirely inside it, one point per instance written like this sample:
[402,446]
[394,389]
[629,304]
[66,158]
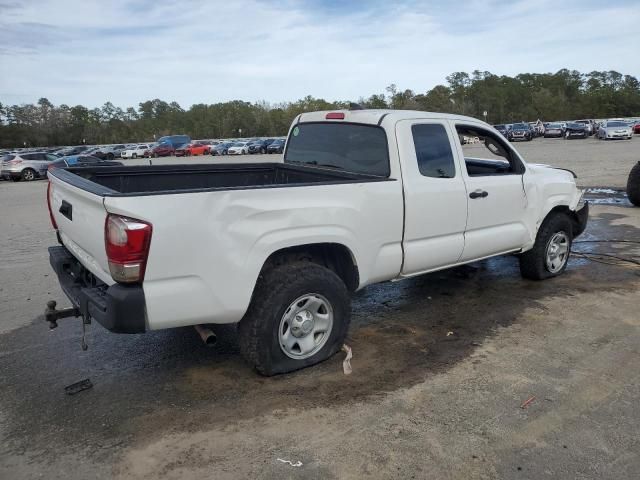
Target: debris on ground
[78,387]
[346,363]
[449,334]
[527,402]
[297,464]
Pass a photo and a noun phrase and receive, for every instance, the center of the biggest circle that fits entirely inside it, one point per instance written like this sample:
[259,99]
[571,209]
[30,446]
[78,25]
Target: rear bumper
[118,308]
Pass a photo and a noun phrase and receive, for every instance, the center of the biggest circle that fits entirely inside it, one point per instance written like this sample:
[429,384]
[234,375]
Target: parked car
[136,151]
[277,146]
[612,129]
[575,130]
[105,152]
[175,140]
[554,130]
[636,127]
[260,146]
[502,129]
[588,125]
[192,149]
[26,166]
[239,148]
[520,131]
[221,148]
[81,161]
[294,241]
[78,149]
[161,150]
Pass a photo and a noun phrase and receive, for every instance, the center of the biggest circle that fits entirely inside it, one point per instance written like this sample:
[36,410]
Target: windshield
[616,124]
[520,126]
[554,125]
[347,146]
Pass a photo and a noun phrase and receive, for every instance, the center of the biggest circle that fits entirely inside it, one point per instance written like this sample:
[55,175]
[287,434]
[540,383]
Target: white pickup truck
[363,196]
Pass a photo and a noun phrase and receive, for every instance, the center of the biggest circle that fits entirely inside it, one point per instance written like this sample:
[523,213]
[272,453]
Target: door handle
[478,194]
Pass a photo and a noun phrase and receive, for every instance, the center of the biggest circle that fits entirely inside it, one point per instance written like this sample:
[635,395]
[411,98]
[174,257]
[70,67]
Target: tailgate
[80,216]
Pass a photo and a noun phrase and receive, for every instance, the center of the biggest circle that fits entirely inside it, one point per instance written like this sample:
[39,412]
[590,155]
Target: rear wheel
[551,250]
[633,185]
[299,316]
[28,175]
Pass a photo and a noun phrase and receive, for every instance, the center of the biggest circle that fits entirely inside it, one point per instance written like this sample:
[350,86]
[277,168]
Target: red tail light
[53,220]
[335,116]
[14,162]
[127,242]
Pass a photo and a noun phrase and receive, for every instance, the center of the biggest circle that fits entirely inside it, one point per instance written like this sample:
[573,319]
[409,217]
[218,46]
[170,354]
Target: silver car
[614,129]
[26,166]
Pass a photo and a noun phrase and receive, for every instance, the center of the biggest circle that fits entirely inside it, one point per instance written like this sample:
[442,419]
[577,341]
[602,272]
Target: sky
[128,51]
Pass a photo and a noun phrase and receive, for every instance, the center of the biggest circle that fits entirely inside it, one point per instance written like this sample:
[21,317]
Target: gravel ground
[442,365]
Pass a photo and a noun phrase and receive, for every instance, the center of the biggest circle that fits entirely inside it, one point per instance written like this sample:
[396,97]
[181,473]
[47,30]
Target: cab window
[485,153]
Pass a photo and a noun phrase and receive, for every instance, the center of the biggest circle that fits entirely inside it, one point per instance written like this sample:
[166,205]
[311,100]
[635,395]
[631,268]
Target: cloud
[125,51]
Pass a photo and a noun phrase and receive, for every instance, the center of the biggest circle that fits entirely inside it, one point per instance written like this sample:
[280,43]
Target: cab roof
[376,117]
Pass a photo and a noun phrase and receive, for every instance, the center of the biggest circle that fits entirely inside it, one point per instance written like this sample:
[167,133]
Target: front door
[497,202]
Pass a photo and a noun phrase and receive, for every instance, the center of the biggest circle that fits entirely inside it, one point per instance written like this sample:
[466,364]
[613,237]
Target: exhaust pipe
[206,334]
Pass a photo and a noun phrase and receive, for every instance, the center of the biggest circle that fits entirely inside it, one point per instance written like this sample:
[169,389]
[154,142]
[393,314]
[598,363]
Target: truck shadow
[144,385]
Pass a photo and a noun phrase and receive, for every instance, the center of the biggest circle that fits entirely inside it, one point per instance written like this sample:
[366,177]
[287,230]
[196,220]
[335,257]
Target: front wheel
[298,317]
[551,250]
[633,185]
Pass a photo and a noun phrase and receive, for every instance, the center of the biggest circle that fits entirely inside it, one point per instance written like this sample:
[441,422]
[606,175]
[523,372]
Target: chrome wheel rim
[28,175]
[305,326]
[557,252]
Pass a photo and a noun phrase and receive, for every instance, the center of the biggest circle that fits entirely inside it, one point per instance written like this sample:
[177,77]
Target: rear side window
[433,151]
[343,146]
[34,156]
[8,158]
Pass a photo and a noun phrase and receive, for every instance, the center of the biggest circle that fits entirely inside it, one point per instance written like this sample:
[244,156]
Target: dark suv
[260,146]
[520,131]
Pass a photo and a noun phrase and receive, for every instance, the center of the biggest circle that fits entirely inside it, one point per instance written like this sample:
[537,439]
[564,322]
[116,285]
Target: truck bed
[163,179]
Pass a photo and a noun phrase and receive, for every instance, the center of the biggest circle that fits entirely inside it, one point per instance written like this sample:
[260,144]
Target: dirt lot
[442,365]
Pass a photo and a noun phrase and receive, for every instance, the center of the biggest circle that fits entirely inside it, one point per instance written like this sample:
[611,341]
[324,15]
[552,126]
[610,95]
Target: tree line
[564,95]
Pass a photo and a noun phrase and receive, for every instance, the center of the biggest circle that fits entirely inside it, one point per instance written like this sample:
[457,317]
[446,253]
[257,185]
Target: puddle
[607,196]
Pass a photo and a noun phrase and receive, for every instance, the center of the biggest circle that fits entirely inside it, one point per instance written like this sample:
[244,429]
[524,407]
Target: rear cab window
[352,147]
[433,150]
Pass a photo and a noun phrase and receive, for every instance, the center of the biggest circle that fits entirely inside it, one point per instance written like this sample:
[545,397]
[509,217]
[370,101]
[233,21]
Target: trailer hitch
[52,316]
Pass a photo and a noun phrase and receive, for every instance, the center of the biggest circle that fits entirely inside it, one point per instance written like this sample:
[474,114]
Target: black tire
[29,174]
[633,185]
[533,262]
[135,155]
[275,291]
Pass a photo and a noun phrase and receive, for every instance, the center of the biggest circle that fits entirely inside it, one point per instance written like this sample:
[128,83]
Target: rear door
[80,216]
[435,196]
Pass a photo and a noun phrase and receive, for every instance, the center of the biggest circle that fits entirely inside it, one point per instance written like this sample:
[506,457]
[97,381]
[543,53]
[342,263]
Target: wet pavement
[441,366]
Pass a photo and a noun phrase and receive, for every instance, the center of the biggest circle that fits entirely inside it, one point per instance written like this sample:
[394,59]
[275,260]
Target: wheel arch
[571,214]
[334,256]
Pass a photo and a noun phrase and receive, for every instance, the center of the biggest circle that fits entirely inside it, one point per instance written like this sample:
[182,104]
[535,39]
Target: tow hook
[52,316]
